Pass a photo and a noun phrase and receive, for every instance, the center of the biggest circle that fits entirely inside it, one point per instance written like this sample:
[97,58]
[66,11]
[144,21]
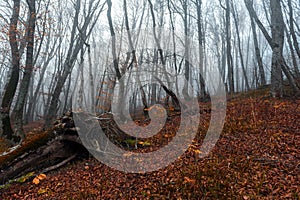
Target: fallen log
[58,146]
[63,144]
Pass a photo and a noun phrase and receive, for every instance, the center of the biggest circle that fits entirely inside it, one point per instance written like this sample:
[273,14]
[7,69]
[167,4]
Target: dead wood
[64,146]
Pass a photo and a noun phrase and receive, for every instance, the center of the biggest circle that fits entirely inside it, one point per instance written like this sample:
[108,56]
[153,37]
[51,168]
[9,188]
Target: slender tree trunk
[292,29]
[160,50]
[276,42]
[293,56]
[257,54]
[81,84]
[11,86]
[239,47]
[113,35]
[92,85]
[68,65]
[24,86]
[174,46]
[223,59]
[228,44]
[201,48]
[277,29]
[185,90]
[76,42]
[134,62]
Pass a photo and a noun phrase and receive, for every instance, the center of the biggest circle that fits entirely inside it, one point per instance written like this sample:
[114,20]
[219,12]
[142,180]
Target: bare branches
[249,5]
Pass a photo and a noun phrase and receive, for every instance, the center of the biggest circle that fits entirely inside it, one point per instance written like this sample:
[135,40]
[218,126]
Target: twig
[59,164]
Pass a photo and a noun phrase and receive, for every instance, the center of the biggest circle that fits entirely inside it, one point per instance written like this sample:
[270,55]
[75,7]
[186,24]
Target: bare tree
[230,77]
[293,55]
[276,42]
[133,61]
[11,86]
[112,33]
[228,42]
[198,4]
[257,54]
[278,62]
[45,39]
[23,90]
[79,35]
[185,17]
[292,29]
[235,17]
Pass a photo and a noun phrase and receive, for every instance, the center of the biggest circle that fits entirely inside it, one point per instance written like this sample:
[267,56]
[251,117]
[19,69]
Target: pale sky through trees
[59,18]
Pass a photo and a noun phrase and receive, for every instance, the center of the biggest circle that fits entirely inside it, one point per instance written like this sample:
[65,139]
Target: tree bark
[24,86]
[293,56]
[185,90]
[11,86]
[292,29]
[277,29]
[276,42]
[239,47]
[33,102]
[257,55]
[201,48]
[76,42]
[112,33]
[228,44]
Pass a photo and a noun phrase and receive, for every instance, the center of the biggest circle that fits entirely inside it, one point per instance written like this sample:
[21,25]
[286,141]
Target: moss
[33,141]
[22,179]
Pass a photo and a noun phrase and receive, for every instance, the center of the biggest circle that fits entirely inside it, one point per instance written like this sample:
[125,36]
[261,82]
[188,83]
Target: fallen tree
[60,145]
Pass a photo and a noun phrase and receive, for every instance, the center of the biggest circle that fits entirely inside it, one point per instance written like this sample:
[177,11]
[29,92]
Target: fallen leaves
[42,191]
[256,157]
[39,178]
[188,180]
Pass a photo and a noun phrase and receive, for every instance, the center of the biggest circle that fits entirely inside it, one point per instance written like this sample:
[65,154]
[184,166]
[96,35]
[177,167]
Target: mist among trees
[57,54]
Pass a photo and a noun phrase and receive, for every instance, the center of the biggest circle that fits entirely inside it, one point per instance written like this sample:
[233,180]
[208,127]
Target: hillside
[256,157]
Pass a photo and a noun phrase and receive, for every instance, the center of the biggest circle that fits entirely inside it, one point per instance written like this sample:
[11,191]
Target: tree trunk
[293,56]
[293,34]
[277,29]
[276,42]
[228,42]
[112,33]
[11,86]
[68,65]
[239,47]
[32,104]
[92,85]
[77,40]
[24,86]
[201,48]
[185,90]
[257,54]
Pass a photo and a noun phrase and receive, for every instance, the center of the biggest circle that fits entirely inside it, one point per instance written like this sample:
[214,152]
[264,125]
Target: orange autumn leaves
[39,178]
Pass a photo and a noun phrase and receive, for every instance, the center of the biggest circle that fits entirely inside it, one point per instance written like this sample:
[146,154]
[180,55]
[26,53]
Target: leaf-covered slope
[257,157]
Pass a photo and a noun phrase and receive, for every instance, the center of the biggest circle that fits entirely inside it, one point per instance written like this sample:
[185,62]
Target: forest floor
[256,157]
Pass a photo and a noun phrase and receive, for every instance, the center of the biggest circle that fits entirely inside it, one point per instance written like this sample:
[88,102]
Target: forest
[149,99]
